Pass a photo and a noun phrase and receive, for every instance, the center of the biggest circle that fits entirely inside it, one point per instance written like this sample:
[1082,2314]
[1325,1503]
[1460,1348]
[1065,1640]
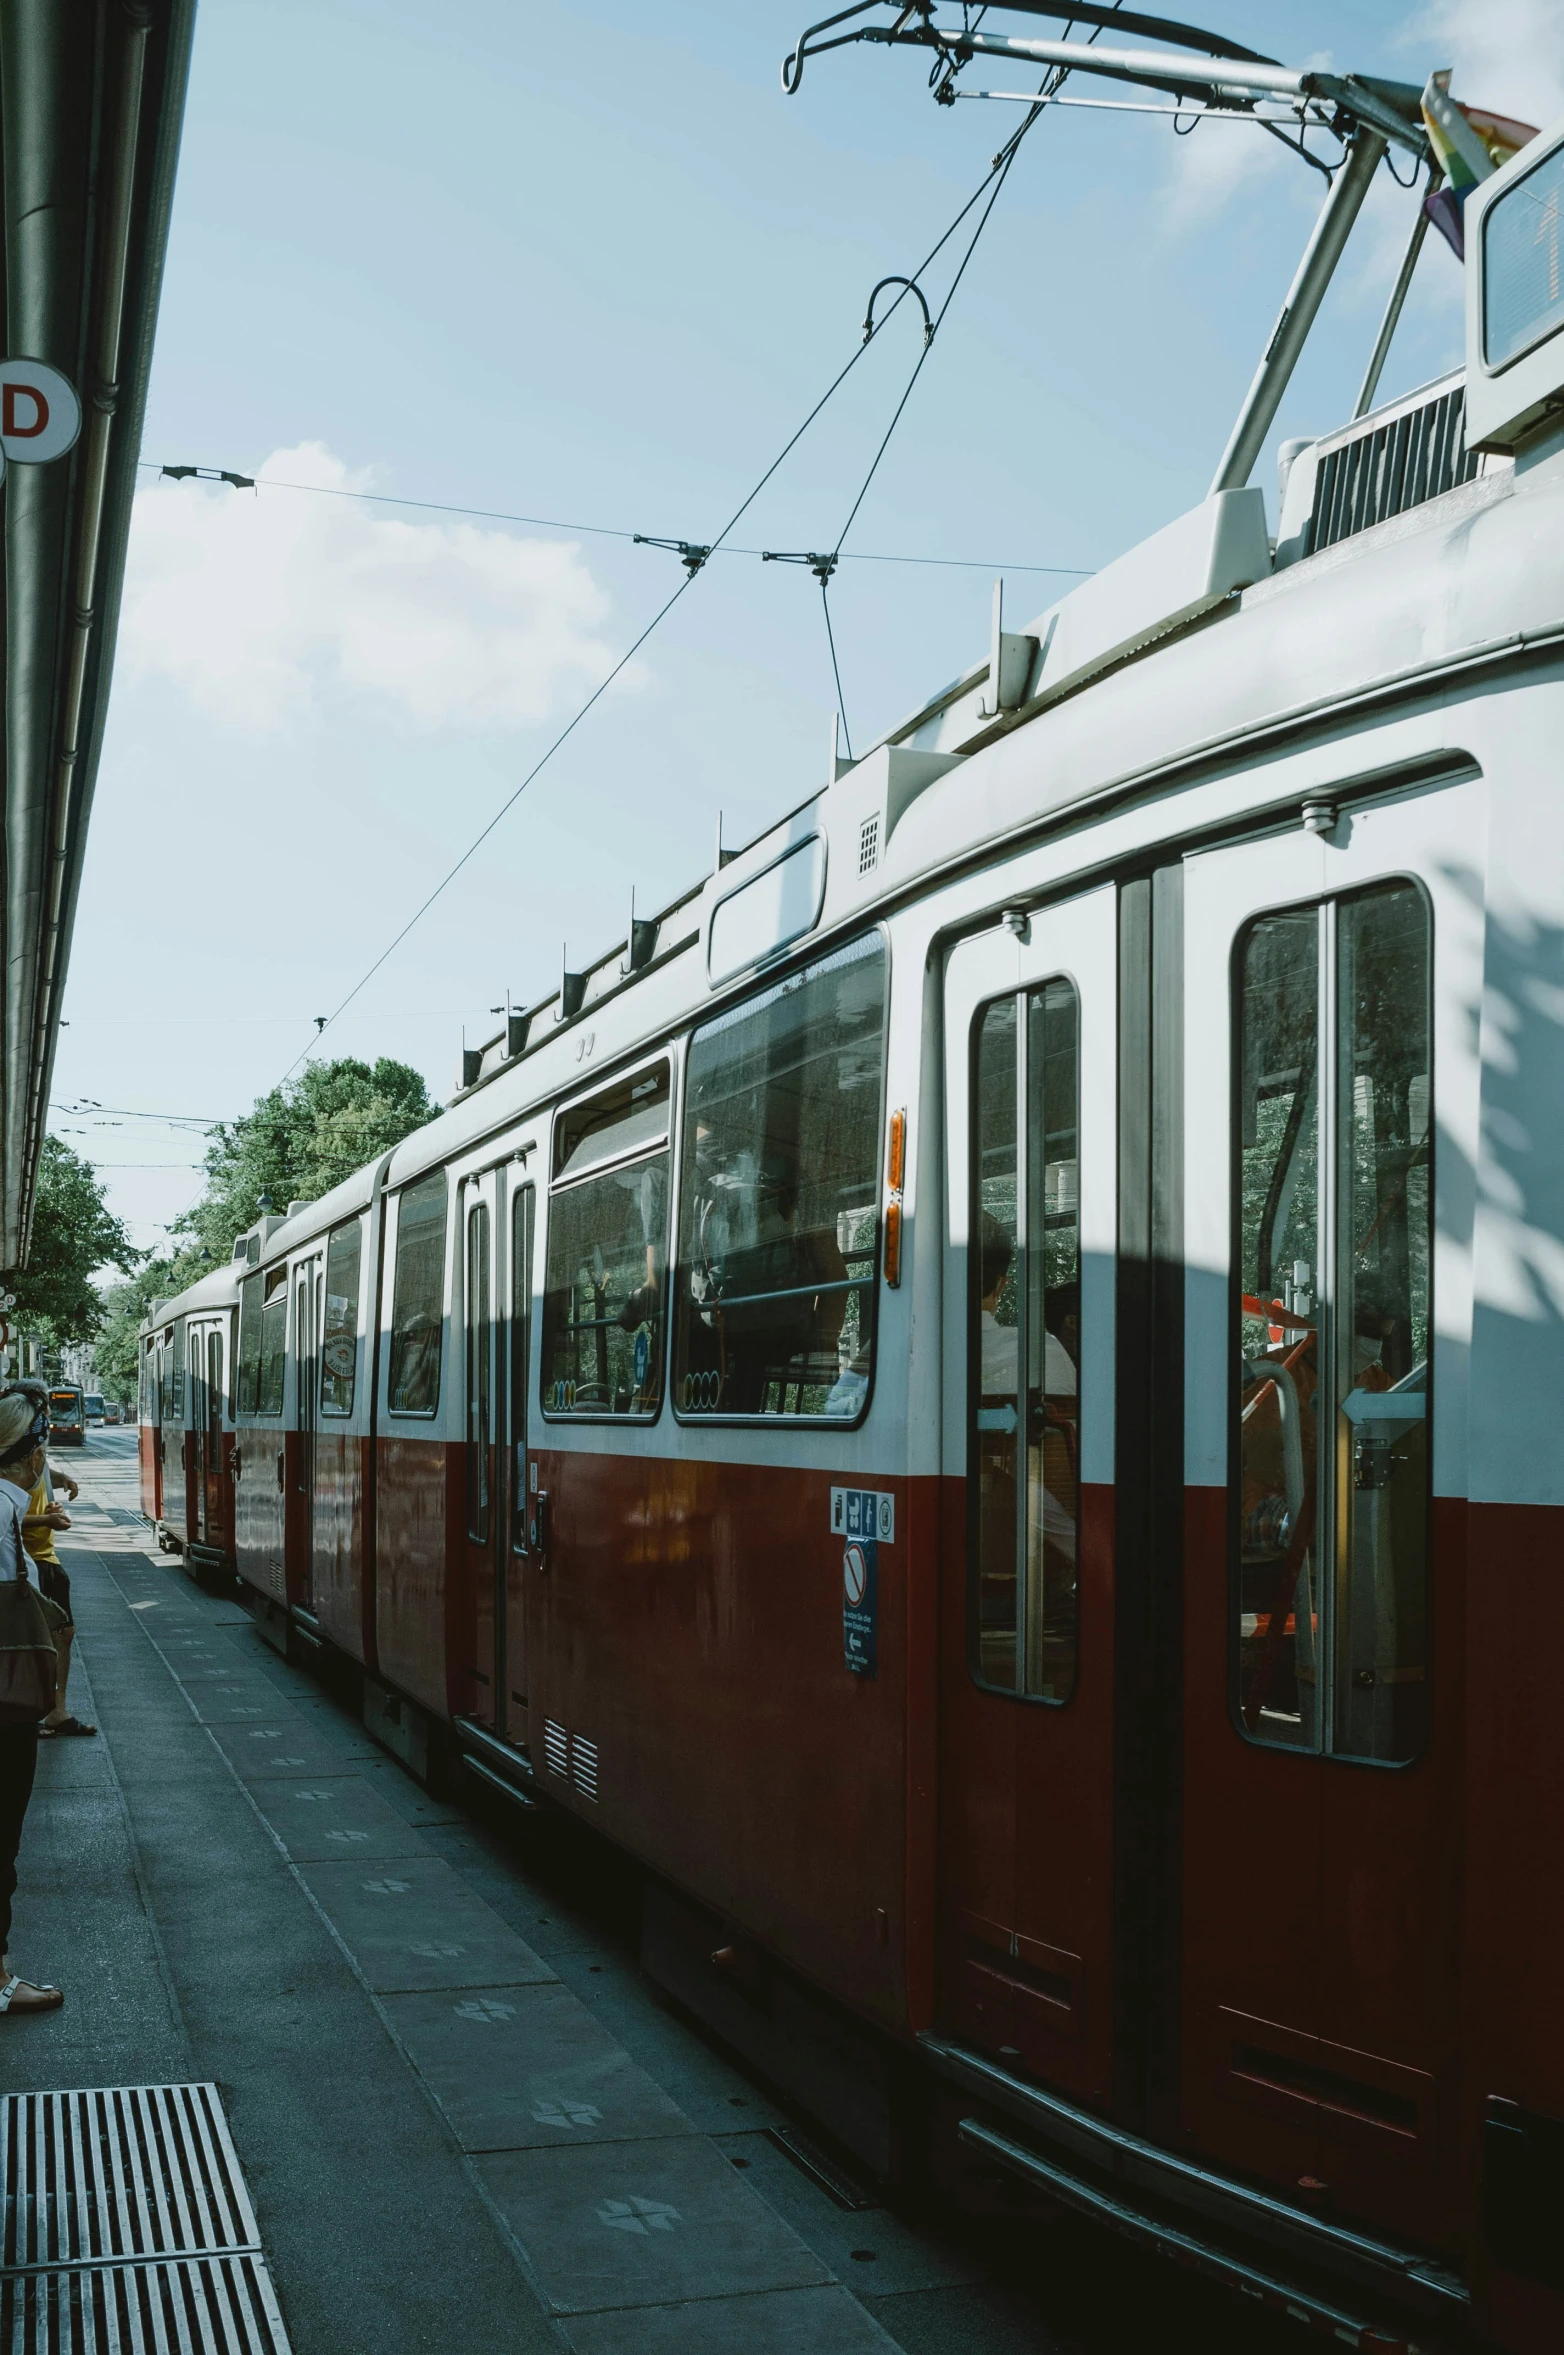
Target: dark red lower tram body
[1317,1993]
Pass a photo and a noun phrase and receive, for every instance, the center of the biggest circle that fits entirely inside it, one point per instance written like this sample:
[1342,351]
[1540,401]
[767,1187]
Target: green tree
[114,1352]
[74,1235]
[301,1139]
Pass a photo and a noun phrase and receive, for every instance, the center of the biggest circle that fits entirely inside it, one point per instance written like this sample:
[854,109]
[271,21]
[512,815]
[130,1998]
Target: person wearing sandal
[23,1430]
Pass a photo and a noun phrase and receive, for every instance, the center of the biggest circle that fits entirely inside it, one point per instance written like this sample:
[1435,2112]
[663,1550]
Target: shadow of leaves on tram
[1509,1209]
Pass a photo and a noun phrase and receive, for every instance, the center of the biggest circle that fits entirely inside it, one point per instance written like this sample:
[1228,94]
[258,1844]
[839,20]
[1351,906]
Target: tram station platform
[464,2119]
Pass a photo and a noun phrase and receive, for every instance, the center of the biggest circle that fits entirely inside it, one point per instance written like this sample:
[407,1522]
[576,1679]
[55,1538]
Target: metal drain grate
[217,2305]
[832,2180]
[120,2172]
[127,2225]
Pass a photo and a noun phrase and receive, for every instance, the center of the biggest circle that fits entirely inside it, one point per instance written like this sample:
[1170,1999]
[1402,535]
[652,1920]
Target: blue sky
[582,260]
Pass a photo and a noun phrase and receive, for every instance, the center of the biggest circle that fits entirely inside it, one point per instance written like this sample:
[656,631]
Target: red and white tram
[984,1394]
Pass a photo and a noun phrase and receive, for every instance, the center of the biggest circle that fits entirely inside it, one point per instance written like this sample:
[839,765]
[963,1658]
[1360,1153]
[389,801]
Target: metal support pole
[1298,312]
[1398,296]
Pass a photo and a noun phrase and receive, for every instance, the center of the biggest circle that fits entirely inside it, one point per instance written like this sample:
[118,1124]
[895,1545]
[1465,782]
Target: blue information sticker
[860,1580]
[643,1357]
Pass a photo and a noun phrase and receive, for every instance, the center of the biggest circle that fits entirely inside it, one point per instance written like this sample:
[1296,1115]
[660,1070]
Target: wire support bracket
[692,554]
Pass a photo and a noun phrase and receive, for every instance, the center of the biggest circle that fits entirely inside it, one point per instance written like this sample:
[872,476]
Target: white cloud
[1507,55]
[1216,162]
[259,607]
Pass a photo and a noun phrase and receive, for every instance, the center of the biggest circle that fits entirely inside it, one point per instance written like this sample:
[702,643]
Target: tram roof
[91,101]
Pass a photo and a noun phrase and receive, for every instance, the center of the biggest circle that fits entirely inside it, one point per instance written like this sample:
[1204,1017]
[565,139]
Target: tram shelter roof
[91,101]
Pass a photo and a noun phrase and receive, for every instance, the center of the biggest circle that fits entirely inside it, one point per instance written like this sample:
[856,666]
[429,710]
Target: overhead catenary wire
[999,172]
[997,168]
[597,531]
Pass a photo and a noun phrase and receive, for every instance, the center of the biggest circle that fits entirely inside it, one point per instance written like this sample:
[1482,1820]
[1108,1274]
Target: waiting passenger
[39,1524]
[23,1428]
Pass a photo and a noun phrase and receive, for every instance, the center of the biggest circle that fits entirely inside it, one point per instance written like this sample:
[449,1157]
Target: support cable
[999,172]
[998,168]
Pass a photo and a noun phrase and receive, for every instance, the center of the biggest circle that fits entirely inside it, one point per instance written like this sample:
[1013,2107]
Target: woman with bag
[27,1673]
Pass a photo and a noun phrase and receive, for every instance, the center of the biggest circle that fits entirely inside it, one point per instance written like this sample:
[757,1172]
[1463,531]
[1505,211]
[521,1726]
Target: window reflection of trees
[779,1226]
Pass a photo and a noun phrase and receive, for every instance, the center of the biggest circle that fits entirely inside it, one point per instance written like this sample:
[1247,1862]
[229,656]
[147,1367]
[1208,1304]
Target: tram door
[1026,1636]
[481,1211]
[306,1329]
[1332,988]
[524,1530]
[215,1518]
[157,1350]
[195,1442]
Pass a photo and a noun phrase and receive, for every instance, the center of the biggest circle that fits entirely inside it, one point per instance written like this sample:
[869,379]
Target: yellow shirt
[40,1542]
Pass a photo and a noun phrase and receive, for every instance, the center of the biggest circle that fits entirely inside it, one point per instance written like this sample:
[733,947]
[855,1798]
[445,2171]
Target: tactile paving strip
[127,2226]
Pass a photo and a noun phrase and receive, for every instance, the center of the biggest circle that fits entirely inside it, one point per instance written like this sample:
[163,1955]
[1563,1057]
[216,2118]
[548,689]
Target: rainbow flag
[1469,144]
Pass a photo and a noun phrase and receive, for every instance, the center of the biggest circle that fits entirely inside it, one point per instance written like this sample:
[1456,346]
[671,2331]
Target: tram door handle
[537,1527]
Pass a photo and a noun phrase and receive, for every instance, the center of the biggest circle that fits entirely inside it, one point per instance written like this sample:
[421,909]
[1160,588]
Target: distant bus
[92,1406]
[67,1416]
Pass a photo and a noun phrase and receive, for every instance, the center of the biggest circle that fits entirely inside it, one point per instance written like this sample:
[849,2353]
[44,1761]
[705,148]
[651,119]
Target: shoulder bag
[27,1623]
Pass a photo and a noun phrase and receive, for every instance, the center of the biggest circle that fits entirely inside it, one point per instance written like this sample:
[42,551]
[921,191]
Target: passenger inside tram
[1332,1561]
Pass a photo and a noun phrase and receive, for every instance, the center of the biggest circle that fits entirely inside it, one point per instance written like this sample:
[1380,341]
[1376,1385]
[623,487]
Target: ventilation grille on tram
[556,1749]
[583,1765]
[1390,468]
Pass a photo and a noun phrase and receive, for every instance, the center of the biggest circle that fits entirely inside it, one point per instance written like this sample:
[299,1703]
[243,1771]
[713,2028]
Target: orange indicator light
[893,1241]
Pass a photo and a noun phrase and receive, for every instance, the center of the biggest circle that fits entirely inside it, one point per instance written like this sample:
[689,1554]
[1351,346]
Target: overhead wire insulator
[691,554]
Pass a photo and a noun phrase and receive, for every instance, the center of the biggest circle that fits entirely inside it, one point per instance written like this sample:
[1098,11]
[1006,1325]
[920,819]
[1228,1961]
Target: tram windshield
[778,1218]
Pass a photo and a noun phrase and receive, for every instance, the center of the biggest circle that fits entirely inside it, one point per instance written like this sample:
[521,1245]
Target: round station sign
[40,415]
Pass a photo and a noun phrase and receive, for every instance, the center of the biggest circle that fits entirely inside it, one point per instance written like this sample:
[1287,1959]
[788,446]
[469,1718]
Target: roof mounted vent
[1405,455]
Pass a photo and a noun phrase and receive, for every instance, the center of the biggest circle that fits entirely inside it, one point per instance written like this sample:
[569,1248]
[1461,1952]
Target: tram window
[247,1389]
[521,1218]
[1278,1578]
[179,1372]
[778,1221]
[339,1338]
[607,1249]
[274,1341]
[418,1297]
[1384,1066]
[1330,1577]
[479,1372]
[214,1389]
[1025,1292]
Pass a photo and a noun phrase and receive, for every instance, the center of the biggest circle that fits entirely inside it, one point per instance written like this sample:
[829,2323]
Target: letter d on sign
[40,415]
[12,412]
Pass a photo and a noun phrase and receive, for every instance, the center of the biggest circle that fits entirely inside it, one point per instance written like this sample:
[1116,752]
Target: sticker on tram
[860,1580]
[863,1512]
